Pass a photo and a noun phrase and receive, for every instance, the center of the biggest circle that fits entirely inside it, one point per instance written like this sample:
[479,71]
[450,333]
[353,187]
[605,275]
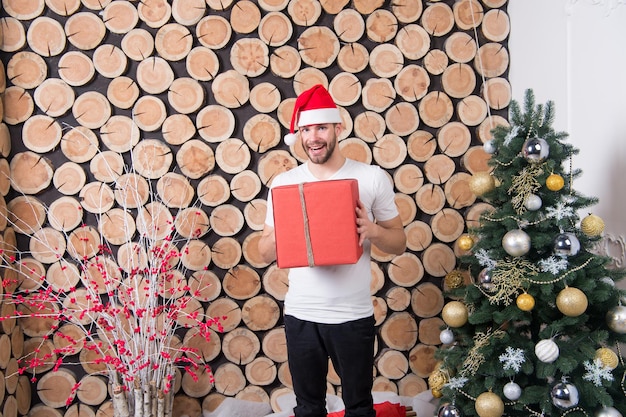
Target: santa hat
[314,106]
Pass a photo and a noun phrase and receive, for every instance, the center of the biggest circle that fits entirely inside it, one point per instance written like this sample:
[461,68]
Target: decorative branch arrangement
[120,294]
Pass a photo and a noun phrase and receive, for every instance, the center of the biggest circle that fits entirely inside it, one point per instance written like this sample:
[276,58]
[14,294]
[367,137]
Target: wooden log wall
[200,93]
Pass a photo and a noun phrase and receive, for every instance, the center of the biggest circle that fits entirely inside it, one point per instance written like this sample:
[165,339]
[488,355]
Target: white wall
[572,52]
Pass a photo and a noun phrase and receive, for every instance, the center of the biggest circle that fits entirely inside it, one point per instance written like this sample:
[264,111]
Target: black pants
[350,346]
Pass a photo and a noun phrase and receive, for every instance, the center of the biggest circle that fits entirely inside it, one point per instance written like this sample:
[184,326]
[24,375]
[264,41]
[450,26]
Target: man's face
[319,141]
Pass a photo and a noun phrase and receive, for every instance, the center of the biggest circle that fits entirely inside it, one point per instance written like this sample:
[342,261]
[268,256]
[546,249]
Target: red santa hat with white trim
[314,106]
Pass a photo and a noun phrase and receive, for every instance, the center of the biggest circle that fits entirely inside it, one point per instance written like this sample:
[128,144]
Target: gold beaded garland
[572,302]
[592,225]
[555,182]
[525,302]
[608,358]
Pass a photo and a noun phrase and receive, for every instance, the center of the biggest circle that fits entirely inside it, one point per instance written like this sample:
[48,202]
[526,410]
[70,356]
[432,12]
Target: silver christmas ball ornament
[616,319]
[446,336]
[485,280]
[489,147]
[536,150]
[608,281]
[564,395]
[566,244]
[512,391]
[608,412]
[449,410]
[516,242]
[533,202]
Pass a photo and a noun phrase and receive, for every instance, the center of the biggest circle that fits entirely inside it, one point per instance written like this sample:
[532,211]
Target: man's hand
[387,235]
[267,244]
[366,228]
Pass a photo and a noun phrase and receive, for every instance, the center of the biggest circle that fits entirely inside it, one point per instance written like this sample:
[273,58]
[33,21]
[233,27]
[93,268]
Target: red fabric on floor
[385,409]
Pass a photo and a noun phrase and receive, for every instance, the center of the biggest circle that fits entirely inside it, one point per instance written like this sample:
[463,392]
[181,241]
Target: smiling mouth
[316,147]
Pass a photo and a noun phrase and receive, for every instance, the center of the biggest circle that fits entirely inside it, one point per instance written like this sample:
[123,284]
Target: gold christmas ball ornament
[607,357]
[465,242]
[481,183]
[454,314]
[555,182]
[525,302]
[454,279]
[489,404]
[437,378]
[572,302]
[592,225]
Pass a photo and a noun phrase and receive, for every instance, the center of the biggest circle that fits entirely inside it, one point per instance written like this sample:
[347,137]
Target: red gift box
[315,223]
[386,409]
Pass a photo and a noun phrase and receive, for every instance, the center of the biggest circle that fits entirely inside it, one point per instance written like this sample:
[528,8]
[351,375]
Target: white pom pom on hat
[313,107]
[290,138]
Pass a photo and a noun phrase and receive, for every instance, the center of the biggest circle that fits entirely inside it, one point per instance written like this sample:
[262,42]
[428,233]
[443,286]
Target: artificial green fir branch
[542,273]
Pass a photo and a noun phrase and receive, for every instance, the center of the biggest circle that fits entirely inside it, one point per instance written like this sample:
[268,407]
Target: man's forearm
[267,244]
[390,240]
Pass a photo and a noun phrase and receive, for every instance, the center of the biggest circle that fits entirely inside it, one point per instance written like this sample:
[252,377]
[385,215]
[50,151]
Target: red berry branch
[132,311]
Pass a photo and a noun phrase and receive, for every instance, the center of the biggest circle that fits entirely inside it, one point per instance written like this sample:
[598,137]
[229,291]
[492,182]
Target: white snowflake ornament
[484,259]
[512,359]
[456,382]
[596,372]
[553,265]
[511,135]
[560,211]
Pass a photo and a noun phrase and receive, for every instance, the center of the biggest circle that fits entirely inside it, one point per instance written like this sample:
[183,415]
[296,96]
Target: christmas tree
[536,330]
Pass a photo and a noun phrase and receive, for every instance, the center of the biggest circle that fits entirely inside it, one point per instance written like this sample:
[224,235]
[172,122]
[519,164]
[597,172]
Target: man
[328,309]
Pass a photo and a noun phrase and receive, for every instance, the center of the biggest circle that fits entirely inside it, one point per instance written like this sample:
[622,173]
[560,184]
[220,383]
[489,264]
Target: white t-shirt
[340,293]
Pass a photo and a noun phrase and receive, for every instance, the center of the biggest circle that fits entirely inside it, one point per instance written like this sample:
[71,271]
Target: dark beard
[324,158]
